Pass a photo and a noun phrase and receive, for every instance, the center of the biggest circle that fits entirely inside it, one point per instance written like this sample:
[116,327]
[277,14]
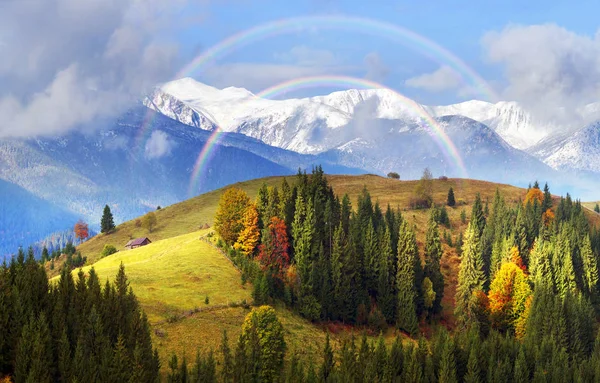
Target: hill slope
[173,275]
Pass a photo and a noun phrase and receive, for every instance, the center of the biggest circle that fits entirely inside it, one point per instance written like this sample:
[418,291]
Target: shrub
[443,178]
[206,300]
[108,250]
[138,223]
[393,175]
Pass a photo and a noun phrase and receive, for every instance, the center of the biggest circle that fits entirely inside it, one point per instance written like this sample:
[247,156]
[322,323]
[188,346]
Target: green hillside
[173,276]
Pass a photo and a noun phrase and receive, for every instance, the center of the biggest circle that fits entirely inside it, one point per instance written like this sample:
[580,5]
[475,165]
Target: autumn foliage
[273,252]
[81,230]
[534,194]
[508,295]
[548,217]
[250,235]
[229,219]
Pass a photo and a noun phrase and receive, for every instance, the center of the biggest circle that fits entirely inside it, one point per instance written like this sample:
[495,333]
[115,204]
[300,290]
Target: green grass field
[175,275]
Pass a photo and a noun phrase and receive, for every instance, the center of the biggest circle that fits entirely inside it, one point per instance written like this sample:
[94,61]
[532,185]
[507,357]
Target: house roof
[137,241]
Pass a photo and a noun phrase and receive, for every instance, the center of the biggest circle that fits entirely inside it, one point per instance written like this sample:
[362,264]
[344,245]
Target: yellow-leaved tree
[250,235]
[230,213]
[508,296]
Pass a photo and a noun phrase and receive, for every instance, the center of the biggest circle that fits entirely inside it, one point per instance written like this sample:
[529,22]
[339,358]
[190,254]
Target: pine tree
[227,369]
[471,277]
[450,200]
[473,374]
[386,299]
[328,361]
[405,280]
[433,255]
[547,201]
[521,367]
[372,259]
[447,373]
[107,223]
[477,216]
[590,269]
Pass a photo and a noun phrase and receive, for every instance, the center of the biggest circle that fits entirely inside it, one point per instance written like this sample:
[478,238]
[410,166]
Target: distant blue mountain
[75,175]
[25,218]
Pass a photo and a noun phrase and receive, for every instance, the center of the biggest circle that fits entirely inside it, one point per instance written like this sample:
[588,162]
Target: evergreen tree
[471,277]
[450,200]
[386,298]
[447,373]
[107,223]
[433,255]
[477,216]
[328,361]
[408,256]
[227,369]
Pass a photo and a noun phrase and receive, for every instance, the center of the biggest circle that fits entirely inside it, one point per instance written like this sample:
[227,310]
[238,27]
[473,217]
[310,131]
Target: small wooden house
[138,242]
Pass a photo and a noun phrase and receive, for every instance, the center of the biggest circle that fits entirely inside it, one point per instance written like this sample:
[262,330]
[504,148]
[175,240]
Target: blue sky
[456,25]
[79,61]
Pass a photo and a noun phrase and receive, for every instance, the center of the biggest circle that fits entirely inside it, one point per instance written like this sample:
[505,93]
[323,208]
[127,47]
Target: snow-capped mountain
[288,123]
[579,151]
[372,129]
[508,119]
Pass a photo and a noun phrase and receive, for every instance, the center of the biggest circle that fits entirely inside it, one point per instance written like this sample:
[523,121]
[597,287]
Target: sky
[67,63]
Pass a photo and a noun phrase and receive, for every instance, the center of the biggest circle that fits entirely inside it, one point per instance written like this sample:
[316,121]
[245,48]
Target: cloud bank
[70,62]
[552,71]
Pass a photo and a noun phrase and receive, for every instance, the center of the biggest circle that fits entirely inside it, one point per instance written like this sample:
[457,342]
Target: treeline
[462,357]
[72,330]
[304,245]
[331,261]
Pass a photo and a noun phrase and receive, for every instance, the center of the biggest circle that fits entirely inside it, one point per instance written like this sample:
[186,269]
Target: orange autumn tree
[81,230]
[534,194]
[548,217]
[508,295]
[230,213]
[273,252]
[250,235]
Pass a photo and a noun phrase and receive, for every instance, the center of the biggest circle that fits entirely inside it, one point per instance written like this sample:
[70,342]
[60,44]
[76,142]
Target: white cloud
[376,68]
[70,62]
[440,80]
[551,70]
[158,145]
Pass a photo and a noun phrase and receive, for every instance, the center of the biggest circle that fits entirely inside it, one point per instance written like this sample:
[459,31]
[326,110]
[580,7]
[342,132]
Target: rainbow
[367,26]
[438,134]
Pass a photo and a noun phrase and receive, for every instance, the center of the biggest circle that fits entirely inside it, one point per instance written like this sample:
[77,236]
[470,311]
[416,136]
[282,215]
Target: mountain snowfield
[344,122]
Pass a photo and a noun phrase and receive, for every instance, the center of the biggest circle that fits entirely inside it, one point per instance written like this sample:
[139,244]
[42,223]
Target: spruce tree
[477,215]
[471,277]
[450,200]
[447,372]
[107,223]
[228,367]
[590,269]
[372,259]
[386,298]
[405,280]
[328,361]
[433,255]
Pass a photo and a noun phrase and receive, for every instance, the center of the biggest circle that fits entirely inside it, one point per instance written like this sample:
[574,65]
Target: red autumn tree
[81,230]
[273,252]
